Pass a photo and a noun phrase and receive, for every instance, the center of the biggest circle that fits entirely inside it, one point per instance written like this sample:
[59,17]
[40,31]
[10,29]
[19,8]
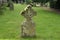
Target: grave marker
[28,26]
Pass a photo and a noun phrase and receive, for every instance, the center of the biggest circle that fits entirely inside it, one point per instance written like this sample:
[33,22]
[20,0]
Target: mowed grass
[47,24]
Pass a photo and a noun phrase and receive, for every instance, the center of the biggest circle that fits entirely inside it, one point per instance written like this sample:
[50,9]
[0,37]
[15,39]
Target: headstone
[28,26]
[0,2]
[11,5]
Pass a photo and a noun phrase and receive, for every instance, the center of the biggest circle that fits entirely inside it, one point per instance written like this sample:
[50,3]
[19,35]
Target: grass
[47,24]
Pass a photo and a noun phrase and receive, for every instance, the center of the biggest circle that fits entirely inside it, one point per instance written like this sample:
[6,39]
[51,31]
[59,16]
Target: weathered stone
[11,5]
[28,26]
[0,2]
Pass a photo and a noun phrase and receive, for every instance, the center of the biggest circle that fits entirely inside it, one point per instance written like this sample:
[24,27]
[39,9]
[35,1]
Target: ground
[47,24]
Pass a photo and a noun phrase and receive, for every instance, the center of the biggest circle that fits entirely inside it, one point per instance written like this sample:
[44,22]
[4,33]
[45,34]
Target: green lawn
[47,24]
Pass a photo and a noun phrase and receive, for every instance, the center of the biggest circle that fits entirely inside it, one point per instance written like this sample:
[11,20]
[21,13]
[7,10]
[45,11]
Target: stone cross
[28,26]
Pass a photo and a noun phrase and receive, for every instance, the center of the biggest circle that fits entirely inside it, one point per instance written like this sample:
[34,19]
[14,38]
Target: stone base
[26,35]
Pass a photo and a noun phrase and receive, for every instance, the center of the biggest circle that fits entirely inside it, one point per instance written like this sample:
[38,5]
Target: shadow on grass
[35,38]
[28,37]
[56,11]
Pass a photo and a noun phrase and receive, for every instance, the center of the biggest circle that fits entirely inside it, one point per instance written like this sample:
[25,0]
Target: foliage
[28,1]
[55,4]
[2,7]
[40,1]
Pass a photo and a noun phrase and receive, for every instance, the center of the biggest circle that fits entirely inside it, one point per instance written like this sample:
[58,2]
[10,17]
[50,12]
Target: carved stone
[28,26]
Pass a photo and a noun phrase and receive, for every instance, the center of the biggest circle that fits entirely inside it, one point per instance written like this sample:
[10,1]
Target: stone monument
[28,26]
[11,5]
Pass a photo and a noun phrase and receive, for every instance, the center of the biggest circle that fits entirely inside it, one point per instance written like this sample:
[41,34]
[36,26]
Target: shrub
[2,7]
[28,1]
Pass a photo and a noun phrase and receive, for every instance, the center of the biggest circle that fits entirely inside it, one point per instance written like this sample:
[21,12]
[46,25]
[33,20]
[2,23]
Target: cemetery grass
[47,24]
